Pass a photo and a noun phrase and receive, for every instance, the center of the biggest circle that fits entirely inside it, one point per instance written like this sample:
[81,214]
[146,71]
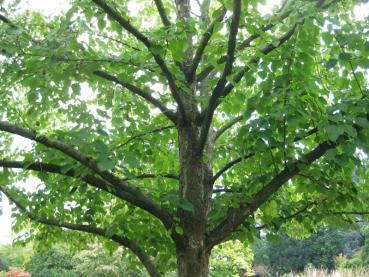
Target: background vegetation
[325,253]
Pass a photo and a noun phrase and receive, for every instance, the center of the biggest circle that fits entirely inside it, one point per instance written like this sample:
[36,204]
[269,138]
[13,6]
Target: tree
[231,258]
[176,128]
[54,262]
[291,255]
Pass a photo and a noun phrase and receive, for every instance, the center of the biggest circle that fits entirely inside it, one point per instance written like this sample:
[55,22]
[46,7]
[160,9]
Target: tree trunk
[192,262]
[195,188]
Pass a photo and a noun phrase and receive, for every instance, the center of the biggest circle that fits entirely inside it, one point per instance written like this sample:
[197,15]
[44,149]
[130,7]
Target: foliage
[95,261]
[365,249]
[4,264]
[55,262]
[16,256]
[319,250]
[353,262]
[231,258]
[168,133]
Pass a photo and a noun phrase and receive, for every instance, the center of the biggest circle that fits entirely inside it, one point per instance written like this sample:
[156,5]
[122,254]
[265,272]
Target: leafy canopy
[99,92]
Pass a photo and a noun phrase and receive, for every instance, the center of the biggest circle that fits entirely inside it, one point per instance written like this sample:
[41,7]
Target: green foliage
[231,258]
[290,255]
[16,255]
[95,261]
[300,86]
[365,249]
[4,264]
[55,262]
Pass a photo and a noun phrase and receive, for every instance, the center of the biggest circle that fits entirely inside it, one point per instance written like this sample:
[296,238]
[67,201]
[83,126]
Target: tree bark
[193,262]
[195,188]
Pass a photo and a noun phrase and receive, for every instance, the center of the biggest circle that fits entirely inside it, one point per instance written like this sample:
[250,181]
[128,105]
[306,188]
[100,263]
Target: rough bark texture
[196,188]
[192,262]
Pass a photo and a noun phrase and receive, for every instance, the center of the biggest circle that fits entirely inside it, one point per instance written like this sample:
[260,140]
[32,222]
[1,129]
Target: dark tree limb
[305,210]
[6,20]
[122,240]
[229,125]
[88,162]
[145,134]
[269,48]
[202,45]
[150,175]
[162,12]
[285,218]
[217,92]
[147,96]
[149,45]
[236,216]
[247,42]
[88,179]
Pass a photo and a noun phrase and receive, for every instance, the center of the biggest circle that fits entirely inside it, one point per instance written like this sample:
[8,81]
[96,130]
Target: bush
[4,264]
[231,258]
[57,262]
[291,255]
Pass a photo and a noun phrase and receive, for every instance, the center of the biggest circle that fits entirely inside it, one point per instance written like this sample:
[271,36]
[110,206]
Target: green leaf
[331,63]
[105,164]
[179,230]
[100,147]
[362,122]
[76,88]
[334,131]
[178,48]
[345,57]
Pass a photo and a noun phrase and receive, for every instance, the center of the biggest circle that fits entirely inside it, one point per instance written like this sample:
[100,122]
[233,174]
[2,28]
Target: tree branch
[122,240]
[269,48]
[132,30]
[168,113]
[222,80]
[227,126]
[144,134]
[89,179]
[247,42]
[139,195]
[162,12]
[202,45]
[6,20]
[150,175]
[303,210]
[236,216]
[249,155]
[285,218]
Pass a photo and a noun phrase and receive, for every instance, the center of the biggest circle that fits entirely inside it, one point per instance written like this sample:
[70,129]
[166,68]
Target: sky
[54,7]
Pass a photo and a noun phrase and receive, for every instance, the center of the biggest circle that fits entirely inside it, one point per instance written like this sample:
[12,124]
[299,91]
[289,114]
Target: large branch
[237,215]
[147,96]
[202,45]
[88,179]
[247,42]
[140,196]
[6,20]
[266,50]
[217,92]
[136,33]
[162,12]
[122,240]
